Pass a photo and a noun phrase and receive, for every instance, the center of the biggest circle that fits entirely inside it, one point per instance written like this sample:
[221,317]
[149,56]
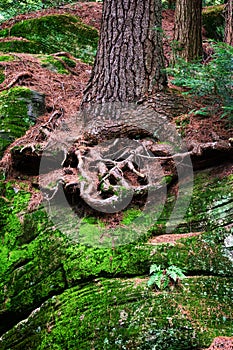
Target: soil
[173,238]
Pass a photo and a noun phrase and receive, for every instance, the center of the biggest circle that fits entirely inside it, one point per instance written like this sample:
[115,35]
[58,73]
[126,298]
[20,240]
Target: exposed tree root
[15,80]
[107,176]
[103,184]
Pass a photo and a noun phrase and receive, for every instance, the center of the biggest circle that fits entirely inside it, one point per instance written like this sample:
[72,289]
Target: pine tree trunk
[129,59]
[188,27]
[228,36]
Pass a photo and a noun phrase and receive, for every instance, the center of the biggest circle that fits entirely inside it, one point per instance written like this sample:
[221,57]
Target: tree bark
[188,27]
[129,62]
[228,35]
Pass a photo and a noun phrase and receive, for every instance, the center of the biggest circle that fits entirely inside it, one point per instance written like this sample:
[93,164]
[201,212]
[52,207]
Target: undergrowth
[212,79]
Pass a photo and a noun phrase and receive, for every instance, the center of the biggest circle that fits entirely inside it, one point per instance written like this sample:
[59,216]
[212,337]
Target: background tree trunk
[129,59]
[188,27]
[228,35]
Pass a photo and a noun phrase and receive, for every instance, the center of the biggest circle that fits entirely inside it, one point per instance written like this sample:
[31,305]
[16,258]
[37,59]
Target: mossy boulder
[213,21]
[19,108]
[69,295]
[125,314]
[53,33]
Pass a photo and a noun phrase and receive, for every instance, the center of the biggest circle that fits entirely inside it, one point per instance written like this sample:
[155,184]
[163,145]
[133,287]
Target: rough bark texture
[228,36]
[187,35]
[129,60]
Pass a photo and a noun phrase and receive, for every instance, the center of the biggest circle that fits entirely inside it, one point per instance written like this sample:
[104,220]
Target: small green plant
[164,278]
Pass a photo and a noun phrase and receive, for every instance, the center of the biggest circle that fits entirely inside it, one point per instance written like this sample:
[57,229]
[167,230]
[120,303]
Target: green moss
[193,255]
[130,215]
[50,34]
[168,179]
[39,262]
[26,266]
[6,58]
[54,65]
[117,314]
[211,202]
[18,110]
[4,33]
[213,21]
[14,202]
[20,46]
[210,206]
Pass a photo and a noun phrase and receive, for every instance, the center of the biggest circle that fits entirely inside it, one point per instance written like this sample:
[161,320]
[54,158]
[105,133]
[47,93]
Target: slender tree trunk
[228,36]
[129,62]
[188,27]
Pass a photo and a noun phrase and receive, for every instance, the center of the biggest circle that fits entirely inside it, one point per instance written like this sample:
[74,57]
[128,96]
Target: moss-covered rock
[82,296]
[210,207]
[213,21]
[52,64]
[19,108]
[125,314]
[53,33]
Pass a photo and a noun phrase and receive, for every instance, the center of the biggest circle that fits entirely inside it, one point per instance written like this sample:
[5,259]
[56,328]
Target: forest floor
[64,94]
